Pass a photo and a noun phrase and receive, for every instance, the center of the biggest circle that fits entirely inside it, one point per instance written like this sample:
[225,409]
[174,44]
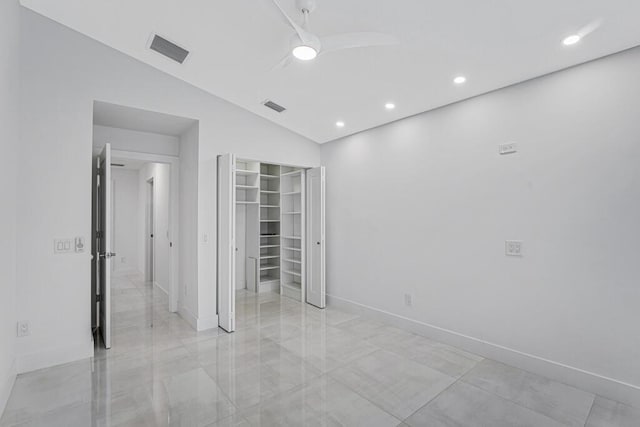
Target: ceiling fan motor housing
[306,5]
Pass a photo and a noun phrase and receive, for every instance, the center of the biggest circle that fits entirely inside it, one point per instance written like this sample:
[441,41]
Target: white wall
[9,120]
[423,206]
[188,270]
[126,220]
[160,173]
[63,72]
[131,140]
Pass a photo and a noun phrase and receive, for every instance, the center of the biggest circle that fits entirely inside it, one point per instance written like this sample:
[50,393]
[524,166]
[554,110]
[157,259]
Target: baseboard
[157,285]
[576,377]
[54,356]
[199,324]
[187,315]
[7,385]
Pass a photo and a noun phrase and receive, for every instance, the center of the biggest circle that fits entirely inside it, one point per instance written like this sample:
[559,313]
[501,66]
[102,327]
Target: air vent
[275,107]
[168,49]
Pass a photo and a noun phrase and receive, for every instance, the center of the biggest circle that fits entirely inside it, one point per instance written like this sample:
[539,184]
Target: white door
[104,247]
[227,242]
[316,286]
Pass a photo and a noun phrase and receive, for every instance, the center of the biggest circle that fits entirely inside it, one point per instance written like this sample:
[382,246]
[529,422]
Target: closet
[270,232]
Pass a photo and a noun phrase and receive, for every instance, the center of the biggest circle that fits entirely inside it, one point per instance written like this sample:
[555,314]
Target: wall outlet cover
[23,328]
[513,247]
[407,300]
[508,148]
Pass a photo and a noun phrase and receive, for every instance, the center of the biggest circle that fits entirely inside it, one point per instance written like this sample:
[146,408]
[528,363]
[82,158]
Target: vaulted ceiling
[235,44]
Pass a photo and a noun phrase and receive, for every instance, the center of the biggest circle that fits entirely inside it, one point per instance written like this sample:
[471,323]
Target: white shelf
[292,173]
[244,202]
[247,187]
[269,256]
[269,235]
[293,273]
[262,175]
[269,191]
[292,237]
[268,267]
[293,249]
[243,172]
[270,206]
[269,220]
[269,246]
[292,260]
[268,278]
[291,213]
[291,193]
[292,285]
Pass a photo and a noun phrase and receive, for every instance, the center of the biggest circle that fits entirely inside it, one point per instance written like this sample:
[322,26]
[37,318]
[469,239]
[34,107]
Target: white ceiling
[235,43]
[118,116]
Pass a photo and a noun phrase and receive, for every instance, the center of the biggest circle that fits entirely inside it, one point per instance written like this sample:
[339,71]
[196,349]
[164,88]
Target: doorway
[267,213]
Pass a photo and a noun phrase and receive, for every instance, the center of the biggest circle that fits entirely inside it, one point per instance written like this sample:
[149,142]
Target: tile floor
[289,364]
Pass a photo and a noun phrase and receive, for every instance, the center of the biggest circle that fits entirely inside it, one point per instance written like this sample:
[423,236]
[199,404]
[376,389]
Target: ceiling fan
[305,45]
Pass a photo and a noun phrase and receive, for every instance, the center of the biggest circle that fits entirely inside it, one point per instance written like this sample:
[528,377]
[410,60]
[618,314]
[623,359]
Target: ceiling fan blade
[356,40]
[283,63]
[302,33]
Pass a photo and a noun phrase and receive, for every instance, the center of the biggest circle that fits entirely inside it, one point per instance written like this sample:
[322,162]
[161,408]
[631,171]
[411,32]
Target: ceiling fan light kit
[306,46]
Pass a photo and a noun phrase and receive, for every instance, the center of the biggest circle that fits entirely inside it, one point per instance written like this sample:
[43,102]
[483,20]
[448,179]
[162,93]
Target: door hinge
[99,298]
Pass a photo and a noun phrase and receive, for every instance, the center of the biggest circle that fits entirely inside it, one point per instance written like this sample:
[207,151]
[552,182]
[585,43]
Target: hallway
[288,364]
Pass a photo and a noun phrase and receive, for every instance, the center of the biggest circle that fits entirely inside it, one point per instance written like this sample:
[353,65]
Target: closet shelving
[269,226]
[292,228]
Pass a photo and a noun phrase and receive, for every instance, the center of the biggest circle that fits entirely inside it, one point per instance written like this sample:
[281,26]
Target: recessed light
[389,105]
[459,80]
[304,53]
[340,124]
[572,39]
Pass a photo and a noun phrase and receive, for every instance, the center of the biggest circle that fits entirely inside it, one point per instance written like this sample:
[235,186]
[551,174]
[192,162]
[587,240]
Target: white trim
[174,197]
[55,356]
[188,316]
[7,386]
[207,323]
[157,285]
[576,377]
[195,322]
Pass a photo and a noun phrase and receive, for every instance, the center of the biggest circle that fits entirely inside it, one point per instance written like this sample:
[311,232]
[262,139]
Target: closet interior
[270,225]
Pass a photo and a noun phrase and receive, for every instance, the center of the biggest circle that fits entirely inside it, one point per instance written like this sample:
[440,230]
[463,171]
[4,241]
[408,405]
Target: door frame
[305,168]
[174,214]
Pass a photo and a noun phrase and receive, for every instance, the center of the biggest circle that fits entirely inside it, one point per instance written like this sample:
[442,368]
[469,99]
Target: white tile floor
[289,364]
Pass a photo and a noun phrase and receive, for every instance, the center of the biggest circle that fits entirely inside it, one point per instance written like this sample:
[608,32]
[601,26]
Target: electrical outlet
[513,247]
[407,300]
[508,148]
[23,328]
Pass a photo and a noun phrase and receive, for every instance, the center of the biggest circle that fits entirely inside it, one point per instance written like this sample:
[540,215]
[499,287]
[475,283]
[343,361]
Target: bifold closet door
[104,246]
[226,241]
[316,286]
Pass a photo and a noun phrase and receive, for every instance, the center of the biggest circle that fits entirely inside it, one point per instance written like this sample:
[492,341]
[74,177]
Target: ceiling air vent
[275,107]
[168,49]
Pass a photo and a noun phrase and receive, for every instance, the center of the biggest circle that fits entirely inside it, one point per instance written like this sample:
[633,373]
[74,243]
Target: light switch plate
[63,246]
[513,248]
[508,148]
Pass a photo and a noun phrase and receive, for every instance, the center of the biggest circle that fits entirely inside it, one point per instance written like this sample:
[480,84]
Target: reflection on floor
[289,364]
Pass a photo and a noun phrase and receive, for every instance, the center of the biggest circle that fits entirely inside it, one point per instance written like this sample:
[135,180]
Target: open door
[227,242]
[104,248]
[316,283]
